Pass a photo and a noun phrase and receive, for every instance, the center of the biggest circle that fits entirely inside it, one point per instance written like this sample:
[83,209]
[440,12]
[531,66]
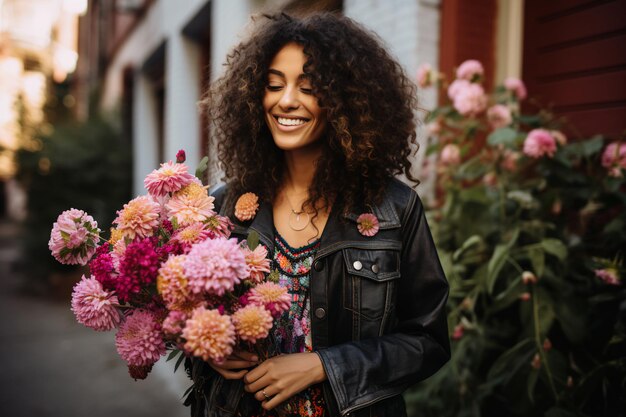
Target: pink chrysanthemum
[455,88]
[220,225]
[614,158]
[450,155]
[367,223]
[190,208]
[516,86]
[538,143]
[174,323]
[209,335]
[499,116]
[470,100]
[139,266]
[246,206]
[170,178]
[102,268]
[608,275]
[425,75]
[192,233]
[252,322]
[258,262]
[138,218]
[272,296]
[73,238]
[93,306]
[470,70]
[172,285]
[215,266]
[139,340]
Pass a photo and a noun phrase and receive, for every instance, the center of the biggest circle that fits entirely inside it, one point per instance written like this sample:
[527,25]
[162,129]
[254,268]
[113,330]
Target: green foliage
[78,165]
[535,331]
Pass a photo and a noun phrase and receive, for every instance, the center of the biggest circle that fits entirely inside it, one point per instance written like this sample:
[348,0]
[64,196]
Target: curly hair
[369,100]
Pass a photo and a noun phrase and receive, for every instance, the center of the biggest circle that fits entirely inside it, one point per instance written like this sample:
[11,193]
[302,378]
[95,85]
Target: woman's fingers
[266,393]
[246,356]
[234,364]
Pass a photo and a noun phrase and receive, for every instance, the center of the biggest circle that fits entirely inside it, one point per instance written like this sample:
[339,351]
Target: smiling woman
[315,119]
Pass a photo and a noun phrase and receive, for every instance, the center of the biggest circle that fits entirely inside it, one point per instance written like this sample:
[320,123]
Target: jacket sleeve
[363,372]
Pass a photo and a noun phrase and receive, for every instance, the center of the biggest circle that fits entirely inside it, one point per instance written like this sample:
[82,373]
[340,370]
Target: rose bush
[531,229]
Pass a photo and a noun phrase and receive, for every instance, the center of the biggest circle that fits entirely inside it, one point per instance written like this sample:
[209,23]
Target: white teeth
[291,122]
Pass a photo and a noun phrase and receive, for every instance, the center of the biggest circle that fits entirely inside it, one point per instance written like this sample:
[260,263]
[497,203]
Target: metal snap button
[357,265]
[320,313]
[318,265]
[375,268]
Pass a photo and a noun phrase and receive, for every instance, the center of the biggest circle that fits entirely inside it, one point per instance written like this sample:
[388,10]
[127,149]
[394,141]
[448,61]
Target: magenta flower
[614,158]
[93,306]
[367,223]
[139,266]
[608,275]
[215,266]
[180,156]
[209,335]
[450,155]
[470,70]
[170,178]
[139,340]
[102,268]
[516,86]
[139,372]
[138,218]
[538,143]
[470,100]
[499,116]
[74,237]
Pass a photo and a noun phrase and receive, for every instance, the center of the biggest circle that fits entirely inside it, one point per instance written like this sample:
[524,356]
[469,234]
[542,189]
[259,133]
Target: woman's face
[291,110]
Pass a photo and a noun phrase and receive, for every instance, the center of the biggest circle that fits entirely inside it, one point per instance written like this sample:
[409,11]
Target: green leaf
[533,376]
[555,247]
[508,296]
[495,265]
[178,362]
[469,242]
[172,355]
[503,136]
[188,390]
[253,240]
[537,259]
[202,166]
[511,361]
[174,222]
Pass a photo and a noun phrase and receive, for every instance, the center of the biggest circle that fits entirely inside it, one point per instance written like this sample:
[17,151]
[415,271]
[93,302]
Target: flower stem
[542,353]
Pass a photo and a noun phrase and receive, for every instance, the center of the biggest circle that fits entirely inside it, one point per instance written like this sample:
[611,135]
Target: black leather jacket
[378,309]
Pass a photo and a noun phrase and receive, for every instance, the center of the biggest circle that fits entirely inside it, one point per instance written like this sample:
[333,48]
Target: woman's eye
[274,87]
[306,90]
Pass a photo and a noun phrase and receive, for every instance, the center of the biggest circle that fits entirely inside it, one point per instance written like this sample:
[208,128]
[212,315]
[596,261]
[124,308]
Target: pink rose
[470,100]
[499,116]
[516,86]
[450,154]
[456,87]
[425,76]
[614,158]
[470,70]
[538,143]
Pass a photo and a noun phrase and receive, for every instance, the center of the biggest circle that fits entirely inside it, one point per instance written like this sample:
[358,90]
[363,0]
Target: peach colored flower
[516,86]
[209,335]
[172,285]
[450,155]
[367,224]
[190,207]
[470,70]
[258,262]
[538,143]
[116,235]
[246,207]
[138,218]
[499,116]
[170,178]
[274,297]
[560,138]
[252,322]
[425,76]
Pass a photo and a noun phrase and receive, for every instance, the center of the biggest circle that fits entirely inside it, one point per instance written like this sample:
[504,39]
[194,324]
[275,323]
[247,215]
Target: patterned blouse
[292,331]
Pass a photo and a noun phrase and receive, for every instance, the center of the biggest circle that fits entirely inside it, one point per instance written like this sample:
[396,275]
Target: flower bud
[529,278]
[458,332]
[525,296]
[536,362]
[180,156]
[547,345]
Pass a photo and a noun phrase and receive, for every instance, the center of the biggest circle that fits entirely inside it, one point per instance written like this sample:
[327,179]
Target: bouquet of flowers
[170,277]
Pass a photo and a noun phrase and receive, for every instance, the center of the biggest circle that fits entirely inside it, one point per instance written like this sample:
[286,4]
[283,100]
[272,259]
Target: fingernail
[255,358]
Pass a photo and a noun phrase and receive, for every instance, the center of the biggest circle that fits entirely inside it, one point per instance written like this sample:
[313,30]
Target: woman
[315,118]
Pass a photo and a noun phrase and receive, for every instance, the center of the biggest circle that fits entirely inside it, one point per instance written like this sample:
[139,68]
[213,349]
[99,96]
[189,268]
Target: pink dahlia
[608,275]
[425,75]
[190,208]
[252,322]
[516,86]
[215,266]
[220,225]
[170,178]
[209,335]
[470,100]
[450,155]
[274,297]
[367,224]
[139,340]
[102,268]
[538,143]
[455,88]
[614,158]
[138,218]
[139,267]
[74,237]
[192,233]
[499,116]
[470,70]
[172,285]
[258,262]
[174,323]
[93,306]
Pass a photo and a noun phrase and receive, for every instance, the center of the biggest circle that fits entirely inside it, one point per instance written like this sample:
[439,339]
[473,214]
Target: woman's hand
[279,378]
[239,360]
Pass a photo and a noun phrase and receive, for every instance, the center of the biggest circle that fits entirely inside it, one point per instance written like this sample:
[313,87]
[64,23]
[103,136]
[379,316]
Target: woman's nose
[289,99]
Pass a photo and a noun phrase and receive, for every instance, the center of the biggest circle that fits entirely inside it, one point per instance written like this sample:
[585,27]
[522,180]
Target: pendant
[295,221]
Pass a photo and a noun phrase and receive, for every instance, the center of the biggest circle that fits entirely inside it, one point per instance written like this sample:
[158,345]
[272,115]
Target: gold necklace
[295,222]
